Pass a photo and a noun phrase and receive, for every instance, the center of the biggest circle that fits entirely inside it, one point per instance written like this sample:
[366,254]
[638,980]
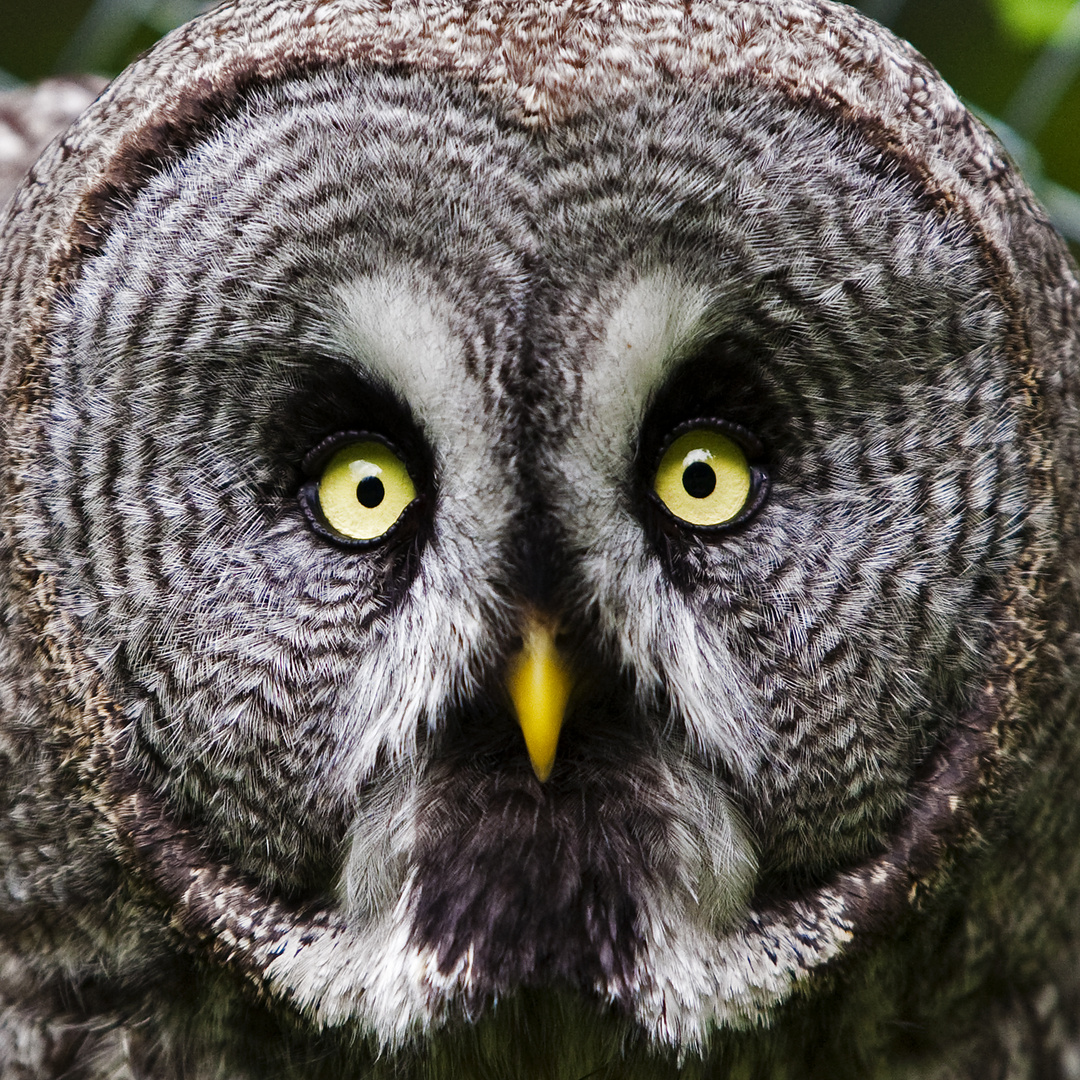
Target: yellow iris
[364,489]
[704,478]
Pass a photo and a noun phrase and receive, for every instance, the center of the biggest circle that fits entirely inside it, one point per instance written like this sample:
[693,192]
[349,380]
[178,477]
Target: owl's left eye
[705,477]
[360,491]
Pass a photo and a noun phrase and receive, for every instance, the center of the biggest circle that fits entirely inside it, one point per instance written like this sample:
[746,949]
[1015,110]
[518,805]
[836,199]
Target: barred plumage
[812,787]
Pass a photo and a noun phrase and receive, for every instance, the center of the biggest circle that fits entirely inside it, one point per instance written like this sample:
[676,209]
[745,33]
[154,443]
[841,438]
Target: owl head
[529,515]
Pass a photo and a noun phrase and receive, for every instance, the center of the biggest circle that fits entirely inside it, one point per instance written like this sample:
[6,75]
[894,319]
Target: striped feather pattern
[523,246]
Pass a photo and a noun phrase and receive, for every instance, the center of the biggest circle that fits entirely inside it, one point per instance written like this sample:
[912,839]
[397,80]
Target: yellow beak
[539,682]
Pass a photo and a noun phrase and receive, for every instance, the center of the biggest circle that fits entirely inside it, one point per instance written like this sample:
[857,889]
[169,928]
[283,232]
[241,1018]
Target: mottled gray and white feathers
[267,810]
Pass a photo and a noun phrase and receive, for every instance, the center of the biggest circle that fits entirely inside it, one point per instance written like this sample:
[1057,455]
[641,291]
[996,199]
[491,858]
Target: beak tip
[542,769]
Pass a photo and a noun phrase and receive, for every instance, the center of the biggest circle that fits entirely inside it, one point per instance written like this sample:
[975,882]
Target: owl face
[370,377]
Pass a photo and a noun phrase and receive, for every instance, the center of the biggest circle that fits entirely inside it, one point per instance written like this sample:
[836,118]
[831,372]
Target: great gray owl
[539,539]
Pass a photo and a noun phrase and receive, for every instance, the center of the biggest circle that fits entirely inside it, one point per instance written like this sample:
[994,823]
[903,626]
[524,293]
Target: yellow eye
[363,490]
[704,478]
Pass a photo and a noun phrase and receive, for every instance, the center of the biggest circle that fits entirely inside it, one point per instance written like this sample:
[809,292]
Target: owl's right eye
[360,492]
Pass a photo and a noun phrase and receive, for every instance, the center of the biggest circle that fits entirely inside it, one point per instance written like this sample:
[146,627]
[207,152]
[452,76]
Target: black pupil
[370,491]
[699,480]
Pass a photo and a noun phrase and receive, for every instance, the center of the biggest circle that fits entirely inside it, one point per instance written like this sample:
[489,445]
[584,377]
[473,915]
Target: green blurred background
[1016,62]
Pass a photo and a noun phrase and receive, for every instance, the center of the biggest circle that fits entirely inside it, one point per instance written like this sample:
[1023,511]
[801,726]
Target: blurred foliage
[1033,21]
[1015,62]
[47,37]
